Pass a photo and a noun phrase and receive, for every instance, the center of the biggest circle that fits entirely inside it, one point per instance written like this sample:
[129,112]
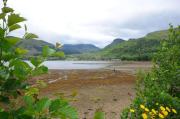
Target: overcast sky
[96,21]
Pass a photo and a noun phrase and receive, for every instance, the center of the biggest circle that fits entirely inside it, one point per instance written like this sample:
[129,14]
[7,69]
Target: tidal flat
[108,90]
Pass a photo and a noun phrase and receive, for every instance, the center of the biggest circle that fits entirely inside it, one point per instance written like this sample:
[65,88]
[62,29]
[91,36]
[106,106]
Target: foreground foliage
[158,92]
[18,99]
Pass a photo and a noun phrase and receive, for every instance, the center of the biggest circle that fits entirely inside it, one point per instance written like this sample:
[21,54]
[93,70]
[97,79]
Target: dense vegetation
[18,99]
[135,49]
[140,49]
[158,92]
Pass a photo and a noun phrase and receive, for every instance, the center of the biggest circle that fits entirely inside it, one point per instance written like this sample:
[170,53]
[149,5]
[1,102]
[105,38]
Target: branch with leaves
[19,99]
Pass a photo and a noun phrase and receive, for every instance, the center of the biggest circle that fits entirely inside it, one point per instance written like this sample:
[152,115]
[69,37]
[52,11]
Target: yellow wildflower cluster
[162,112]
[132,110]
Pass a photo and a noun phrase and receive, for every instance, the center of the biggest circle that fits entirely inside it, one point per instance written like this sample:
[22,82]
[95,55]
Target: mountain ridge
[137,49]
[133,49]
[114,42]
[35,47]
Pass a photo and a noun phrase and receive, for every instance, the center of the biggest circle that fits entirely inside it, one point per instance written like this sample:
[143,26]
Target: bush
[158,92]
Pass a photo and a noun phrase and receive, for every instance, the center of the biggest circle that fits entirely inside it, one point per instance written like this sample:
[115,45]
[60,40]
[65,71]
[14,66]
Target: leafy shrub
[162,85]
[18,99]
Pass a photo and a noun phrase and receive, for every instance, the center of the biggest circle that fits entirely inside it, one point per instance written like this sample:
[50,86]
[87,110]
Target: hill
[115,42]
[79,48]
[135,49]
[35,47]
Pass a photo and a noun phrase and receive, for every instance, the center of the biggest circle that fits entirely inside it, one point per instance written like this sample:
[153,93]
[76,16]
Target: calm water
[78,64]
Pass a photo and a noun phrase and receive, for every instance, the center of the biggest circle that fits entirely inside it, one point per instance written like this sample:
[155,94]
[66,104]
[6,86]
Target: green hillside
[159,35]
[79,48]
[33,46]
[133,49]
[114,43]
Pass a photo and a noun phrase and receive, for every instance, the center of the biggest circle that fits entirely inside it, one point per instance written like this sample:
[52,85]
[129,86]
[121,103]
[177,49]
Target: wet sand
[89,90]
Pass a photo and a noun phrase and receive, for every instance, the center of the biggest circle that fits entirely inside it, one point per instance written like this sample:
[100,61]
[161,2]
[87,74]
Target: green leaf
[1,109]
[12,40]
[7,47]
[7,55]
[14,27]
[21,51]
[30,36]
[11,85]
[2,31]
[99,115]
[21,69]
[55,105]
[4,99]
[28,100]
[47,51]
[42,104]
[2,15]
[4,115]
[41,84]
[7,10]
[14,19]
[40,70]
[32,91]
[4,74]
[36,61]
[62,108]
[22,113]
[58,54]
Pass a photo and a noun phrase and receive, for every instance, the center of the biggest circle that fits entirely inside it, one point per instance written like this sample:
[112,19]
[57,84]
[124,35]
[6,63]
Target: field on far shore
[90,90]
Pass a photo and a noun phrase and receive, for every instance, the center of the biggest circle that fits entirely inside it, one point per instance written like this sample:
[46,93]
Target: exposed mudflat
[89,90]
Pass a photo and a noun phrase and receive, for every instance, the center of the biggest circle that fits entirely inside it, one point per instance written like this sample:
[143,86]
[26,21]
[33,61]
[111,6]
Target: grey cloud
[142,24]
[66,39]
[133,28]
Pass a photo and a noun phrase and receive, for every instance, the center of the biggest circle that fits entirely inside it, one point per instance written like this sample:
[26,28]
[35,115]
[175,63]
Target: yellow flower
[144,116]
[173,110]
[167,108]
[165,113]
[151,113]
[152,117]
[161,116]
[154,111]
[157,103]
[142,106]
[146,109]
[162,108]
[132,110]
